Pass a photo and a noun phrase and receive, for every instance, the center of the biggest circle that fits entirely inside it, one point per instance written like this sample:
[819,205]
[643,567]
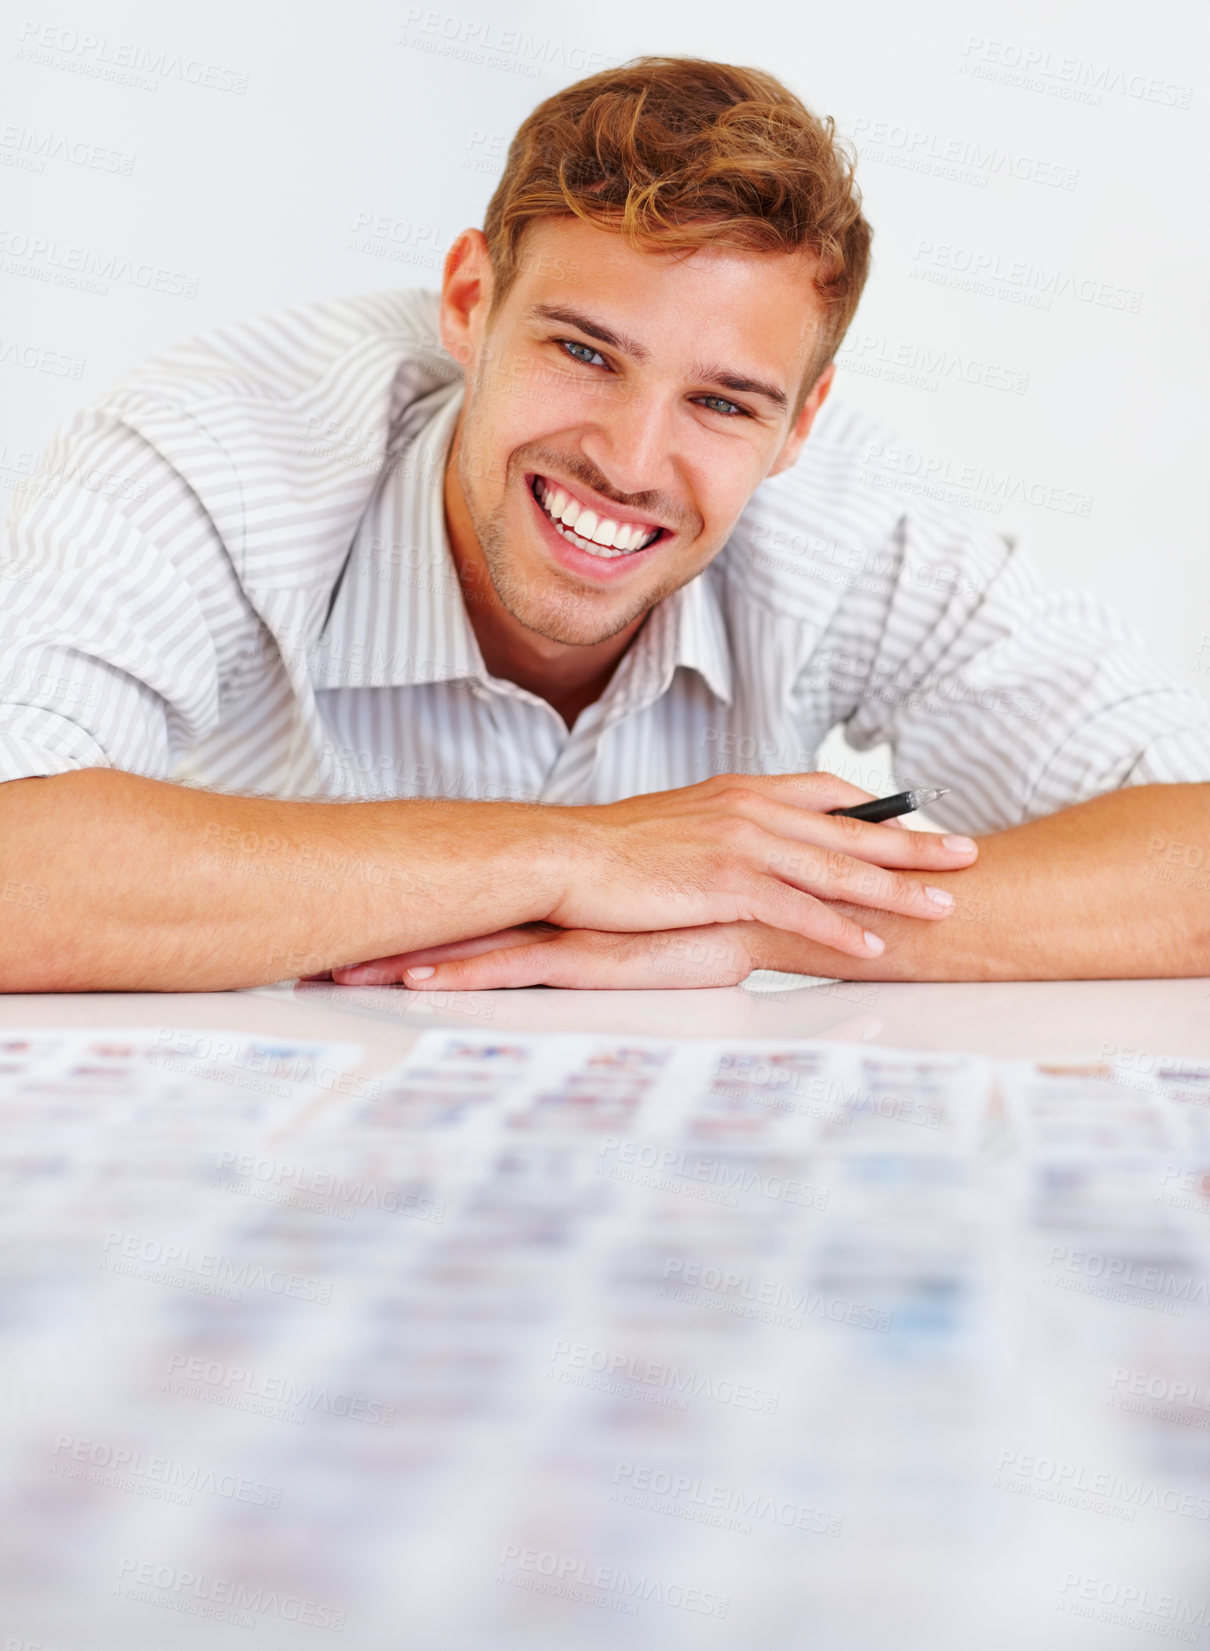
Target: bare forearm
[1115,888]
[112,882]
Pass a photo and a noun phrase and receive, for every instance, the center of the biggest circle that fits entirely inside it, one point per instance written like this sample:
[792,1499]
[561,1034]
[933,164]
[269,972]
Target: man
[425,636]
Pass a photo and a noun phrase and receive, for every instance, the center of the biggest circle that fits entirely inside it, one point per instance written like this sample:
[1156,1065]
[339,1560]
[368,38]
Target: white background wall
[240,157]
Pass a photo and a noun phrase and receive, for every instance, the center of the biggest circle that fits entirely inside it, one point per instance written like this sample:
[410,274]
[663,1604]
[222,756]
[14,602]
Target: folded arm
[1114,888]
[117,882]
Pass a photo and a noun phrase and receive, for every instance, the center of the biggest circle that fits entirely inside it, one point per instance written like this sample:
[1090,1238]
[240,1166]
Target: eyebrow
[722,376]
[594,329]
[728,380]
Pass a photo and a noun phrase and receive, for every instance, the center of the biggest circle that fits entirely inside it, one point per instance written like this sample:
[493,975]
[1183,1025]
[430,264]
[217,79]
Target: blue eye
[590,357]
[720,404]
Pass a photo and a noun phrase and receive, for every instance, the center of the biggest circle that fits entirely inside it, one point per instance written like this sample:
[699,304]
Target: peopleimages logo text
[192,1592]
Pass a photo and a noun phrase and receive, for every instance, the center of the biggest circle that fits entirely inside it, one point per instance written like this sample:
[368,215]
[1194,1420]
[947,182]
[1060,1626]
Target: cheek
[724,482]
[523,392]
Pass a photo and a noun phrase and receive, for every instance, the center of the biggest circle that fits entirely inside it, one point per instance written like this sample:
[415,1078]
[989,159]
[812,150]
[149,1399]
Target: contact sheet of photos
[572,1339]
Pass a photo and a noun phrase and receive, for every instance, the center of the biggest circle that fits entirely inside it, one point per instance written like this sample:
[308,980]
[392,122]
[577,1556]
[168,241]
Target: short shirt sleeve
[120,611]
[1022,700]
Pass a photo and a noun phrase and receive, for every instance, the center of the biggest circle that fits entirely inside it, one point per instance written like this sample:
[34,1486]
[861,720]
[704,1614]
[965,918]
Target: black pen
[889,808]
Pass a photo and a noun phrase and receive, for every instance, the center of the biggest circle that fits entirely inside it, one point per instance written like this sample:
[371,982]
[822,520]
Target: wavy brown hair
[678,153]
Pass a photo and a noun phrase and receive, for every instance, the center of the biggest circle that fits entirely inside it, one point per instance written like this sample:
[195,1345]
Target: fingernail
[959,845]
[939,897]
[422,973]
[875,943]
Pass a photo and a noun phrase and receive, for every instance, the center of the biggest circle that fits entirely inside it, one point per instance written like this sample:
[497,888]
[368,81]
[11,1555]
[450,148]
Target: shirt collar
[685,629]
[399,618]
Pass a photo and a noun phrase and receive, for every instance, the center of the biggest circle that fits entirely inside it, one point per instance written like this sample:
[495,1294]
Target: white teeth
[600,536]
[591,546]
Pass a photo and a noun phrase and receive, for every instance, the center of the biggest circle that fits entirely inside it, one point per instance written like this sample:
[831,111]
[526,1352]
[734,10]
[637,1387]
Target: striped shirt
[232,571]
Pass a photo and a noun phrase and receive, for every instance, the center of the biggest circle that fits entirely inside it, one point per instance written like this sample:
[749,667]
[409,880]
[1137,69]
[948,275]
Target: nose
[633,444]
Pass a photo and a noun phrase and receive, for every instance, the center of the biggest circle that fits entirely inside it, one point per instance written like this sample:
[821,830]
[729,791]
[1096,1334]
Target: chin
[562,613]
[574,631]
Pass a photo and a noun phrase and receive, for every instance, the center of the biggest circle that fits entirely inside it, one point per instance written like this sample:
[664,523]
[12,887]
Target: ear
[466,295]
[801,427]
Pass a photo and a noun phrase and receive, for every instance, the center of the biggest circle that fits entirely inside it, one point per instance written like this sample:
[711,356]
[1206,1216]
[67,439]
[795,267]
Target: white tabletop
[1018,1018]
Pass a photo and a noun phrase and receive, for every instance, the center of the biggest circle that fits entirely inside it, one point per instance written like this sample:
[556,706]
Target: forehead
[759,307]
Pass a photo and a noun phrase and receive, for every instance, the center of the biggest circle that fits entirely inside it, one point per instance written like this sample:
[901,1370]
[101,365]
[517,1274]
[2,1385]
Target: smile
[598,535]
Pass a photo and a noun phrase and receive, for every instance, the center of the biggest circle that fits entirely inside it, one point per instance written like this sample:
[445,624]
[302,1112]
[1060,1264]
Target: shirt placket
[536,755]
[637,685]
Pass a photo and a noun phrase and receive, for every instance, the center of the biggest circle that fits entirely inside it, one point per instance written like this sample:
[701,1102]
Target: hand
[538,954]
[714,954]
[746,849]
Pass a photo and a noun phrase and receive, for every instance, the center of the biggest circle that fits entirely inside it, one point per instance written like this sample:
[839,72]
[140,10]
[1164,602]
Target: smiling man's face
[621,407]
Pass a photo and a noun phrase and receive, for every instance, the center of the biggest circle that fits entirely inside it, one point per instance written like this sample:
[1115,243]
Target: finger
[388,971]
[587,959]
[884,844]
[782,905]
[833,876]
[534,963]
